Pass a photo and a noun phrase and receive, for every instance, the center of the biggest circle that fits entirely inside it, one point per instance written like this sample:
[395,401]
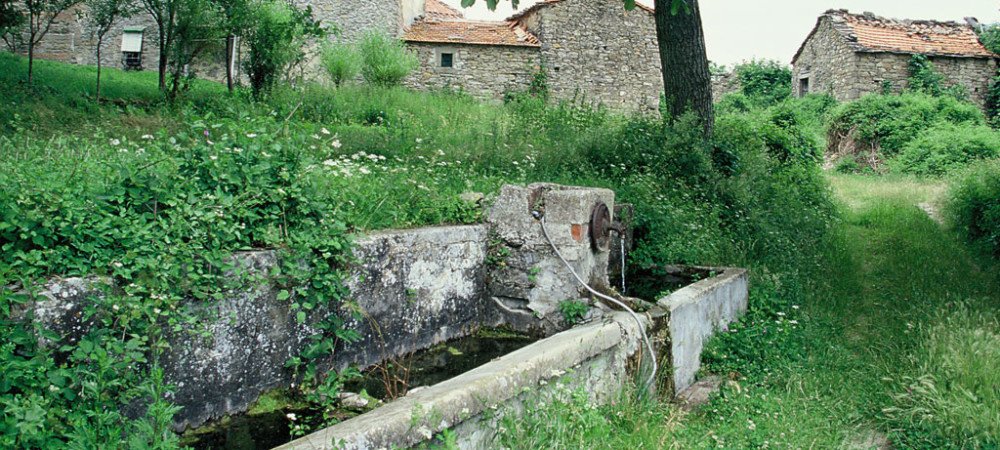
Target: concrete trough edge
[404,422]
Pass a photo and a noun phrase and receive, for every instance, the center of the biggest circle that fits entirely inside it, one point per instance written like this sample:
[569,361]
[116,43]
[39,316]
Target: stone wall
[596,51]
[874,69]
[725,83]
[827,63]
[484,71]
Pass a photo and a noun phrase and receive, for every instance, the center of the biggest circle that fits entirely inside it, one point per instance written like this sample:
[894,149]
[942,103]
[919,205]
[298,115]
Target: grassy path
[895,344]
[900,344]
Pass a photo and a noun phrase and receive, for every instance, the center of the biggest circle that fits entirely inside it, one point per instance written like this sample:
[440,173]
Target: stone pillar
[525,278]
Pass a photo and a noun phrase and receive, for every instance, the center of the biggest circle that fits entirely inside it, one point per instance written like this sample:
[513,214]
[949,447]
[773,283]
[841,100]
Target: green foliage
[945,147]
[10,23]
[275,35]
[768,81]
[926,79]
[341,62]
[385,60]
[573,310]
[769,335]
[974,207]
[885,123]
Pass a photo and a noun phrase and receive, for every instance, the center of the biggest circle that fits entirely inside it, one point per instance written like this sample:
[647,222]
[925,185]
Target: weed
[573,311]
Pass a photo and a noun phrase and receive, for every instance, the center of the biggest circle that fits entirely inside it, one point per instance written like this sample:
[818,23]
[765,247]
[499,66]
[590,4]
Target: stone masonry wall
[872,69]
[480,70]
[827,62]
[725,83]
[596,51]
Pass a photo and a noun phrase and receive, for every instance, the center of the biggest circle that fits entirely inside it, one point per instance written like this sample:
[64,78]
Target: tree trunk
[31,45]
[97,96]
[230,47]
[162,63]
[687,83]
[31,59]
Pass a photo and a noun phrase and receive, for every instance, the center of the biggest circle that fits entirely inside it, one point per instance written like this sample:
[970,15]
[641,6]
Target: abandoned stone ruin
[852,55]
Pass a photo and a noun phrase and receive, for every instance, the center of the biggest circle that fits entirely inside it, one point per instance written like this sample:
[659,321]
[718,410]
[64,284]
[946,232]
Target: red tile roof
[438,10]
[870,33]
[470,32]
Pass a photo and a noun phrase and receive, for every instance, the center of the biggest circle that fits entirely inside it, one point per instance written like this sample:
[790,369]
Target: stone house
[591,50]
[850,55]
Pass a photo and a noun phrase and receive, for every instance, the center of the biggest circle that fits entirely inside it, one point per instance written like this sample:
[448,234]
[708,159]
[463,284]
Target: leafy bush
[341,62]
[766,80]
[275,36]
[946,146]
[883,124]
[974,207]
[385,60]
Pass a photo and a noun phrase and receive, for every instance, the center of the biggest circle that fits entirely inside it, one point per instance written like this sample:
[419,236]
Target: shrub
[275,37]
[974,207]
[767,80]
[883,124]
[341,62]
[385,61]
[946,146]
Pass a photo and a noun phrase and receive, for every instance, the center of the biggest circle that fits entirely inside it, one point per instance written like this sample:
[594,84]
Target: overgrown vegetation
[384,59]
[974,207]
[157,195]
[878,128]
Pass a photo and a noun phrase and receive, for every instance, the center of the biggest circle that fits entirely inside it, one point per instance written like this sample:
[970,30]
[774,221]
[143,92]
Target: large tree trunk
[687,82]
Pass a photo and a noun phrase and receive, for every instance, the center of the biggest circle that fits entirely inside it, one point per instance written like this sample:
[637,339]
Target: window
[447,59]
[803,86]
[132,48]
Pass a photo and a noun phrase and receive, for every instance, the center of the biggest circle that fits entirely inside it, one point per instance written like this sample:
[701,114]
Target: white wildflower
[291,416]
[329,163]
[237,150]
[213,157]
[115,141]
[147,136]
[315,136]
[251,135]
[419,140]
[123,150]
[324,130]
[364,170]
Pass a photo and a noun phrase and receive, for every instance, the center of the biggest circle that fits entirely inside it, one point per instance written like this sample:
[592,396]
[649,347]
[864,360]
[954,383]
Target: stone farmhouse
[851,55]
[592,50]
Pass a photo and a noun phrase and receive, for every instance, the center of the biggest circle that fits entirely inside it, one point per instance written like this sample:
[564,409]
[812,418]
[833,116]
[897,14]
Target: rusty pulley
[600,227]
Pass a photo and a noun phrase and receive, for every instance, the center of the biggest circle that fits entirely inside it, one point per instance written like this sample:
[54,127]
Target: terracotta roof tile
[438,10]
[877,34]
[470,32]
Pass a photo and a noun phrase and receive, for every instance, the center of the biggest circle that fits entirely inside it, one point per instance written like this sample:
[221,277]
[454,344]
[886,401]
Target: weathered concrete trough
[597,357]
